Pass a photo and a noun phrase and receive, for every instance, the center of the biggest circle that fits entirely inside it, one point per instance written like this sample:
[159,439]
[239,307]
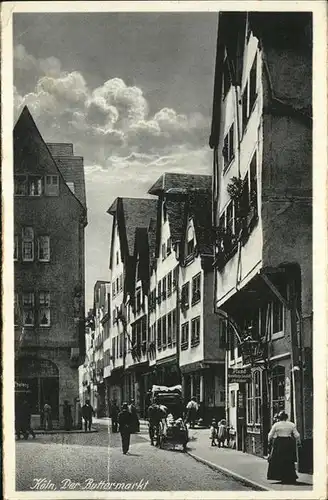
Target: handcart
[172,430]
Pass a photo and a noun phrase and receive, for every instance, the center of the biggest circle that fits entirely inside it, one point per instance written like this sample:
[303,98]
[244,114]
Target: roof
[133,213]
[71,167]
[176,181]
[29,142]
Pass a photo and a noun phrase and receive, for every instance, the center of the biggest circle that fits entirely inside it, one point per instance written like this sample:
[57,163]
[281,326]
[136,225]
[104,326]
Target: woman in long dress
[283,438]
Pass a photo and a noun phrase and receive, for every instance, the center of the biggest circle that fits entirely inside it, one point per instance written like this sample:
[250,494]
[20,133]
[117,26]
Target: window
[245,106]
[278,389]
[185,297]
[252,85]
[230,218]
[164,288]
[185,335]
[195,331]
[169,284]
[113,349]
[121,282]
[144,329]
[249,402]
[226,78]
[196,289]
[191,247]
[253,183]
[138,299]
[175,278]
[169,329]
[20,185]
[44,248]
[113,289]
[35,185]
[28,309]
[28,244]
[249,94]
[174,326]
[44,311]
[233,399]
[257,397]
[134,334]
[191,243]
[168,246]
[52,185]
[229,147]
[16,249]
[117,285]
[277,316]
[163,251]
[117,258]
[159,334]
[159,291]
[164,330]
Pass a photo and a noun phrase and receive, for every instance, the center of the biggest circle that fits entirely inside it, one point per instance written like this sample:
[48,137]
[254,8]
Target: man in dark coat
[124,422]
[87,413]
[135,418]
[114,411]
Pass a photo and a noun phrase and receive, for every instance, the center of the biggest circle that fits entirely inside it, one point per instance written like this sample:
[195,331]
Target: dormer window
[190,241]
[52,185]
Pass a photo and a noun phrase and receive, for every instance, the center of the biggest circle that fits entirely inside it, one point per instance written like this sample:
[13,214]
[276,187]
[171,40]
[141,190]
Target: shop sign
[240,375]
[22,387]
[287,388]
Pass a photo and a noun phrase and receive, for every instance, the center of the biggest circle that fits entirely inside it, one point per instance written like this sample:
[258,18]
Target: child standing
[213,432]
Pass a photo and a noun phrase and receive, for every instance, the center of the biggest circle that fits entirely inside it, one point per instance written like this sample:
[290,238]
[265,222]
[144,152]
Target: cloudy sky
[132,91]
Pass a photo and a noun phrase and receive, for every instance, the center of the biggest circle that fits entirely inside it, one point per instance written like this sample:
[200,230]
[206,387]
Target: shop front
[37,382]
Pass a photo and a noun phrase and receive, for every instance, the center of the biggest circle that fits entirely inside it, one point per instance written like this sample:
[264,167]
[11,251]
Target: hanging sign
[239,376]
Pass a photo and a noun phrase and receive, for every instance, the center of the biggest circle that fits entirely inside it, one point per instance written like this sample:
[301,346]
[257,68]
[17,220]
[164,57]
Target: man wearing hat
[125,422]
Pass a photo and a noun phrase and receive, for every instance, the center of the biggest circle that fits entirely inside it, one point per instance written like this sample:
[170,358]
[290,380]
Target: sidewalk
[247,468]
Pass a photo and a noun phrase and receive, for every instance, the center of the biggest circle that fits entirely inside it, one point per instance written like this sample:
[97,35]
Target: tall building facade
[50,217]
[262,208]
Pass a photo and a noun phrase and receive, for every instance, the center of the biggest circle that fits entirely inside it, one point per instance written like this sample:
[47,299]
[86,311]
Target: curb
[227,472]
[77,431]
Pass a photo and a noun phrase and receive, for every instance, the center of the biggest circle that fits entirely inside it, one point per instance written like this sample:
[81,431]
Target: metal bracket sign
[239,375]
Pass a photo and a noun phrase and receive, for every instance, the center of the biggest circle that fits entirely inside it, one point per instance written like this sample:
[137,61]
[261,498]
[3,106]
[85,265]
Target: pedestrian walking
[67,413]
[87,414]
[192,409]
[124,422]
[213,432]
[47,417]
[222,433]
[135,424]
[114,411]
[283,438]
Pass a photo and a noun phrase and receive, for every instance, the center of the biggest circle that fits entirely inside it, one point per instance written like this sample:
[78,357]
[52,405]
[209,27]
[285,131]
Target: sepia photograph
[162,313]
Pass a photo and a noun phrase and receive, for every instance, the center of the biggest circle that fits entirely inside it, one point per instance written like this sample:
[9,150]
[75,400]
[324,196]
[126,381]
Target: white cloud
[109,121]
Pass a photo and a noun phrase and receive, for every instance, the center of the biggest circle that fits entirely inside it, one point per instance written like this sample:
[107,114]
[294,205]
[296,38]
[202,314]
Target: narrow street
[84,460]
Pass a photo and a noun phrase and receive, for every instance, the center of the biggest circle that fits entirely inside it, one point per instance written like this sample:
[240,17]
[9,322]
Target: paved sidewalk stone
[248,468]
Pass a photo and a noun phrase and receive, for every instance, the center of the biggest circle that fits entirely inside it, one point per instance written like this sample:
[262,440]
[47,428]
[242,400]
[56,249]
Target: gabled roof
[132,213]
[174,181]
[71,167]
[29,146]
